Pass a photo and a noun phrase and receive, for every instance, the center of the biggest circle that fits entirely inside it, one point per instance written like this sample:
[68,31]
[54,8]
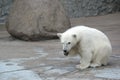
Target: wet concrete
[44,60]
[11,71]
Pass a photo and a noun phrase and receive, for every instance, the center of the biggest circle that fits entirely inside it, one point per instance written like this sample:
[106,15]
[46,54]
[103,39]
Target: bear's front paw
[80,66]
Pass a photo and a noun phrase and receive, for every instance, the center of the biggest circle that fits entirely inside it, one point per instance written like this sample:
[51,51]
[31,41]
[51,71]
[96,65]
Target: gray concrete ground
[43,60]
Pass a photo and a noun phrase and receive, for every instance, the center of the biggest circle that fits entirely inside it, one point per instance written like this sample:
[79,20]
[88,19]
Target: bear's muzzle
[66,53]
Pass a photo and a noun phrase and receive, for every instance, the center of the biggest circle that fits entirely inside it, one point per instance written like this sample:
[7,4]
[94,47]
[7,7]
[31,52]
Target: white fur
[92,45]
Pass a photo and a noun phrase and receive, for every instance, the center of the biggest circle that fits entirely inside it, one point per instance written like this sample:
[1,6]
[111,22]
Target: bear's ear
[74,36]
[59,35]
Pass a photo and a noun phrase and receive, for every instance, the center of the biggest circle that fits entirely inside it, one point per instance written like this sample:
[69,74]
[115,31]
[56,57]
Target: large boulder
[36,19]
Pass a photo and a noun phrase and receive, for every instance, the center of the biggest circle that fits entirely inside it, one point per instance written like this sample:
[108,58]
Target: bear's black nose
[64,51]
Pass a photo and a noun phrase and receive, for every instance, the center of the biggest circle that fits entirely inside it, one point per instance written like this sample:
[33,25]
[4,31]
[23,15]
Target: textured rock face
[4,7]
[36,19]
[80,8]
[77,8]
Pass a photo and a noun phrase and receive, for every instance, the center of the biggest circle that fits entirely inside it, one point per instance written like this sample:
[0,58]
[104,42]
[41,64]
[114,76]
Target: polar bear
[92,45]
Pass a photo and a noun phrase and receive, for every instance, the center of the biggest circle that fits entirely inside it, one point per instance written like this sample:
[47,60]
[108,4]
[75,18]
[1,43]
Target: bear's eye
[69,42]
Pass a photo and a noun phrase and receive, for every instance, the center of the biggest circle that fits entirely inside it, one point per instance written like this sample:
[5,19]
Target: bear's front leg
[83,65]
[86,58]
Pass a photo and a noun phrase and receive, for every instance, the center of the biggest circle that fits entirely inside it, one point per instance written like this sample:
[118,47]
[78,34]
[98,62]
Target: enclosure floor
[44,60]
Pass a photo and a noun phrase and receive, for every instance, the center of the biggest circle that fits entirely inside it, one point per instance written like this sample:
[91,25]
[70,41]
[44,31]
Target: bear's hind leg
[99,62]
[104,61]
[101,57]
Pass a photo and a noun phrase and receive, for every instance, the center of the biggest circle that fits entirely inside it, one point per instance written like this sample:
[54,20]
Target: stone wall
[76,8]
[4,8]
[80,8]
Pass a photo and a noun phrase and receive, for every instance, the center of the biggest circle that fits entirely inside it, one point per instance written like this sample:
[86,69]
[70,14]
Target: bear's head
[68,41]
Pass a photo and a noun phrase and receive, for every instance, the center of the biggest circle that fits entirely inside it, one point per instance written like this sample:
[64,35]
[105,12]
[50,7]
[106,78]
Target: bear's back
[88,33]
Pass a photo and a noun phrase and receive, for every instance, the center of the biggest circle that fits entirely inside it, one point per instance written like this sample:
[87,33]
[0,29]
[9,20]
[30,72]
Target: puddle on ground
[9,66]
[110,73]
[11,71]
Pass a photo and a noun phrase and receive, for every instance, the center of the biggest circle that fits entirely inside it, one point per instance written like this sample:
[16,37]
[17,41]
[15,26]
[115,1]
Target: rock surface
[77,8]
[80,8]
[36,19]
[4,8]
